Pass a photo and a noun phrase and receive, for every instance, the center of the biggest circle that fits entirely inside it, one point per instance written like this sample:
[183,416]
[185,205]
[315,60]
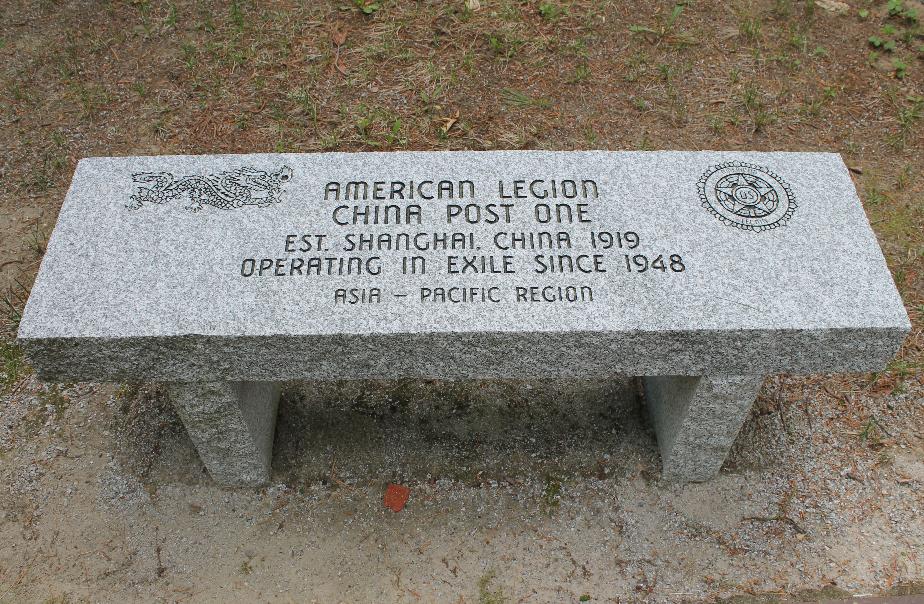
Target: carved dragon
[225,190]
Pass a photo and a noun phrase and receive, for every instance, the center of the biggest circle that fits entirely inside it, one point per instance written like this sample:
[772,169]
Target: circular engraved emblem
[746,196]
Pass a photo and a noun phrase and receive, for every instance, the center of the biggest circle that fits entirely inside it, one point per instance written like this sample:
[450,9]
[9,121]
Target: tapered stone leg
[232,425]
[696,420]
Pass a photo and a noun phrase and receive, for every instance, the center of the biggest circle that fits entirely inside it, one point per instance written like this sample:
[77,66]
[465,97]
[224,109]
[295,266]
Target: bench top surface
[510,241]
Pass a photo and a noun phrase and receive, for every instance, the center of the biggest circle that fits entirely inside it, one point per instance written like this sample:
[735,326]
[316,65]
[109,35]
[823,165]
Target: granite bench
[223,276]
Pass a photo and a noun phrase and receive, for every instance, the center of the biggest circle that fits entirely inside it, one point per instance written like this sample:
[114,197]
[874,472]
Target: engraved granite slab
[461,264]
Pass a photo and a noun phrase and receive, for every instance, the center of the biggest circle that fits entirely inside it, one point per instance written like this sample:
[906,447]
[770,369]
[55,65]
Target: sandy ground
[520,492]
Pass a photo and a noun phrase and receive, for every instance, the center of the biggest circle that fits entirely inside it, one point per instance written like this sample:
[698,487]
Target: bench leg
[232,425]
[697,419]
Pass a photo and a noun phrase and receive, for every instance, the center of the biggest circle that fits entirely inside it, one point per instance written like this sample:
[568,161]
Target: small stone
[834,6]
[396,497]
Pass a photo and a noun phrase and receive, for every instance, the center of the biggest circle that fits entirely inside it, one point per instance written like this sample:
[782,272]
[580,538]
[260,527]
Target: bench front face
[461,264]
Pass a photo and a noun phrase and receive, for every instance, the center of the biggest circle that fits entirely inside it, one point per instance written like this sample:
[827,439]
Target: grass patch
[50,404]
[13,364]
[551,495]
[521,100]
[486,595]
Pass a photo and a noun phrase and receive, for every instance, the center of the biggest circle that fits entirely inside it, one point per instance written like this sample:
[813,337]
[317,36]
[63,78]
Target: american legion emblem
[746,196]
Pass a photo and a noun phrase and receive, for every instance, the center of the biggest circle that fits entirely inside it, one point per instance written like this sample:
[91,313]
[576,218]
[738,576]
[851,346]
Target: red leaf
[396,496]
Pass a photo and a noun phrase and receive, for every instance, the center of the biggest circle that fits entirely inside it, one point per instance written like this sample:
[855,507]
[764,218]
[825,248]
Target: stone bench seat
[224,276]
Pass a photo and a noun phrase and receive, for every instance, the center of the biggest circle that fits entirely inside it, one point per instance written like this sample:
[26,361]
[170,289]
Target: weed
[636,66]
[92,98]
[590,137]
[18,93]
[665,29]
[305,102]
[170,20]
[666,71]
[55,402]
[504,45]
[330,141]
[871,432]
[579,47]
[799,41]
[375,126]
[761,117]
[897,8]
[808,10]
[551,494]
[679,109]
[38,241]
[750,98]
[362,125]
[367,7]
[909,112]
[237,16]
[51,405]
[750,27]
[900,67]
[524,101]
[189,56]
[13,364]
[394,134]
[144,10]
[551,11]
[207,23]
[782,8]
[581,74]
[13,301]
[882,43]
[53,164]
[874,195]
[160,126]
[812,106]
[485,595]
[904,176]
[903,369]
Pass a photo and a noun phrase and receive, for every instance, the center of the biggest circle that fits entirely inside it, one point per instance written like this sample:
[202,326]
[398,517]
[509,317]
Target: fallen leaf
[338,37]
[396,496]
[473,5]
[449,122]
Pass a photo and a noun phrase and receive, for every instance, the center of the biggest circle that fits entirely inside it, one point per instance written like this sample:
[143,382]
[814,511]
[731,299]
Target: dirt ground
[520,492]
